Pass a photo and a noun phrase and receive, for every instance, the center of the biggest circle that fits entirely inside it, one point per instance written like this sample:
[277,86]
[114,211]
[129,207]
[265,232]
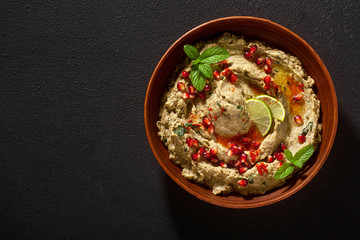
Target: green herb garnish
[201,68]
[307,129]
[298,160]
[188,125]
[180,131]
[239,107]
[250,179]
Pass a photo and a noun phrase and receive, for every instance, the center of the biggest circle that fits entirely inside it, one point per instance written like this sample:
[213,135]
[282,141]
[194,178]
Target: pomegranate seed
[256,144]
[206,121]
[191,89]
[232,145]
[181,86]
[185,74]
[211,129]
[201,150]
[302,138]
[245,140]
[226,72]
[185,95]
[268,61]
[283,147]
[207,88]
[195,156]
[230,153]
[268,69]
[243,182]
[214,159]
[237,163]
[267,80]
[216,75]
[267,87]
[298,97]
[195,142]
[190,142]
[222,164]
[207,154]
[259,61]
[235,150]
[279,164]
[248,55]
[202,95]
[298,120]
[193,96]
[213,150]
[279,156]
[242,170]
[243,158]
[233,78]
[270,159]
[253,49]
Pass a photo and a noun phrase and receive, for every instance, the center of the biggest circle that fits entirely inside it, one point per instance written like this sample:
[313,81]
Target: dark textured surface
[74,159]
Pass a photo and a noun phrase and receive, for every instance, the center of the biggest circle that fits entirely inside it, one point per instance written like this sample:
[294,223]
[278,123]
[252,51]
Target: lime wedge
[260,114]
[277,109]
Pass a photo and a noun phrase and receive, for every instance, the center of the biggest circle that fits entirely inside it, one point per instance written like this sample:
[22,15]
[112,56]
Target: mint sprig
[298,160]
[201,68]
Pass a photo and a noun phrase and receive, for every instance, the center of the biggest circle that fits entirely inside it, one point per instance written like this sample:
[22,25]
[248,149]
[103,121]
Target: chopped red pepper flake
[262,168]
[253,155]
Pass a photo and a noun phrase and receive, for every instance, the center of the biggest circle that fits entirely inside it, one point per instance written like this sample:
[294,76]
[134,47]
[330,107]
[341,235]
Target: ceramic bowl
[279,37]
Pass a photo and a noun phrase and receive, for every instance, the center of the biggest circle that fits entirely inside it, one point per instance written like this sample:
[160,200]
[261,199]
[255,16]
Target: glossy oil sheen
[278,37]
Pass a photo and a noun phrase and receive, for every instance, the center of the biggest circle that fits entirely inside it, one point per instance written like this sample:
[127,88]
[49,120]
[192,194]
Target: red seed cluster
[191,92]
[259,60]
[230,76]
[270,84]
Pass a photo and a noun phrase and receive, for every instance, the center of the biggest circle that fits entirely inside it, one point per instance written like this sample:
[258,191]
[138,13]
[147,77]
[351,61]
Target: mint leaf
[180,131]
[191,52]
[303,155]
[289,155]
[285,170]
[197,78]
[187,124]
[196,61]
[214,55]
[206,69]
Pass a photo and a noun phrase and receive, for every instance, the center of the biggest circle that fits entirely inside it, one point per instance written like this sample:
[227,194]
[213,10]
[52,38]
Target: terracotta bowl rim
[251,203]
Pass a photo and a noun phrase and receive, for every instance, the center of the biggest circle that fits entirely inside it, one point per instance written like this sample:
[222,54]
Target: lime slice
[260,114]
[277,109]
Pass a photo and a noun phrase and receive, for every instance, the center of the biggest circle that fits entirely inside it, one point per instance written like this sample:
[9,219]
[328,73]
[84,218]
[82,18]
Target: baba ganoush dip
[210,134]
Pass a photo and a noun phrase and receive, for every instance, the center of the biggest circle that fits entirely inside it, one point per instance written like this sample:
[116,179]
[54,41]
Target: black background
[75,162]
